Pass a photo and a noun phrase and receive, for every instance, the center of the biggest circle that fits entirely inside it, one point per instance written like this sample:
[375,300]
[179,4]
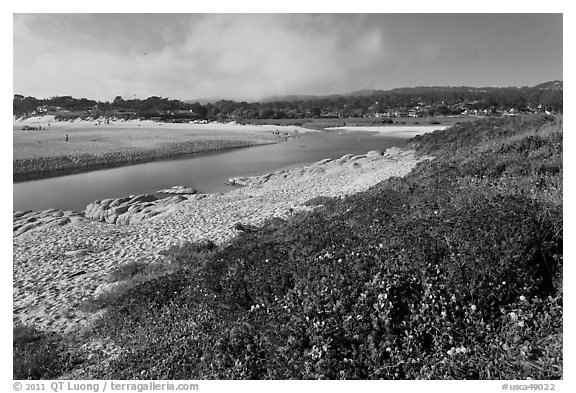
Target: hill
[418,90]
[401,102]
[552,85]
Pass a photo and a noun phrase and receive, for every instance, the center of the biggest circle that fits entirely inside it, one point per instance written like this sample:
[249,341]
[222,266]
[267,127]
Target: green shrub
[319,201]
[190,251]
[128,270]
[38,355]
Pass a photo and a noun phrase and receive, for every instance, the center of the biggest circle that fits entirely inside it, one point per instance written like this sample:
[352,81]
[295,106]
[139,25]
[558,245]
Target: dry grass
[546,131]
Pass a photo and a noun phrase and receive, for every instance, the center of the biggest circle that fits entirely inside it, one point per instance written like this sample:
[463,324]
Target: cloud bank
[247,56]
[252,56]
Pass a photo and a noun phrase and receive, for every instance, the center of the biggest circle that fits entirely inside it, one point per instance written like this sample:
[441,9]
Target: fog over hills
[550,85]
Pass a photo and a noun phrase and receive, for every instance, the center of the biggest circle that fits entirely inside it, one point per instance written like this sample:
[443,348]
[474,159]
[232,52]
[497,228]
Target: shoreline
[44,164]
[47,152]
[400,131]
[51,167]
[69,265]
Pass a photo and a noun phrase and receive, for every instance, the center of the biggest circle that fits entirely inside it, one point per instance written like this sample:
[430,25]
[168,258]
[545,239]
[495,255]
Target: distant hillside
[207,100]
[551,85]
[297,97]
[401,102]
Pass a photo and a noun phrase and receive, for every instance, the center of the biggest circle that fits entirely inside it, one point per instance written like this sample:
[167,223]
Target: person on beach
[66,139]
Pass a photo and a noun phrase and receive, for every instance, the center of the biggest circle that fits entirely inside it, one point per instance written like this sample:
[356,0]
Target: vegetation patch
[39,355]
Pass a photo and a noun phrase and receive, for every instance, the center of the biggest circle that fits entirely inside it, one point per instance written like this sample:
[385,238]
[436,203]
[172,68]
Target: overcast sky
[247,56]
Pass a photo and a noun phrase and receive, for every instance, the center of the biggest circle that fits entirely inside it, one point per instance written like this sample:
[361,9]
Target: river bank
[57,269]
[35,168]
[45,148]
[400,131]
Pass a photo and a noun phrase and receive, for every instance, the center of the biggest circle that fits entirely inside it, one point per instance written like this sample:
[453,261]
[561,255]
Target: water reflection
[208,174]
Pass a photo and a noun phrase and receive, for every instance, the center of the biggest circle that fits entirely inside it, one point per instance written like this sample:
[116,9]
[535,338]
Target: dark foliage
[245,227]
[38,355]
[430,101]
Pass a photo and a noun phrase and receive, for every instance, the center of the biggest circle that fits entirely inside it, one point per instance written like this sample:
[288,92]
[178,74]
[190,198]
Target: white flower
[522,298]
[473,307]
[513,316]
[521,323]
[463,350]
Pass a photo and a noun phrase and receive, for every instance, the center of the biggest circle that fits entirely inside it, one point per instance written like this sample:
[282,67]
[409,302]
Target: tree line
[430,101]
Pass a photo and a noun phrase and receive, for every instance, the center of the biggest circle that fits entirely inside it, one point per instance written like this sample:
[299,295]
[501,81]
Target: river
[207,173]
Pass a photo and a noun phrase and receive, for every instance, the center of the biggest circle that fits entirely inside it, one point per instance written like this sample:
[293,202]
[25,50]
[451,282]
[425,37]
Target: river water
[207,174]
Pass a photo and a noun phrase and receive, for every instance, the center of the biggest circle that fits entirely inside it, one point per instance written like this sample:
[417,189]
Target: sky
[254,56]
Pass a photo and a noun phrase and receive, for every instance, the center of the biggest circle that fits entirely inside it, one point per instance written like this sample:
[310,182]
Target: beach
[402,131]
[46,148]
[58,268]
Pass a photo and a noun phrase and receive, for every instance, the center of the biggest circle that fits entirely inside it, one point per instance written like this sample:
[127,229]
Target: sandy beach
[399,131]
[98,136]
[56,269]
[43,147]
